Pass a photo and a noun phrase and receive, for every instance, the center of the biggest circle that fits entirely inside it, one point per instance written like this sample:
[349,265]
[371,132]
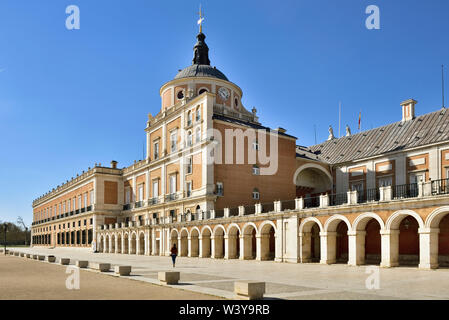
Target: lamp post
[26,232]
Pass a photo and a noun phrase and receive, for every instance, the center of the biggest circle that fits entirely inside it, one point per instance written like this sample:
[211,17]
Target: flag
[360,119]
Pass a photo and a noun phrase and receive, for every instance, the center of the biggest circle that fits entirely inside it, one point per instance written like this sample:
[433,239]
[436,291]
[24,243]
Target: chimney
[281,130]
[114,164]
[408,109]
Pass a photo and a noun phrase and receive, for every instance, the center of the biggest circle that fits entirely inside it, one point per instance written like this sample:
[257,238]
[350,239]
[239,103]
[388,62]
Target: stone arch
[336,230]
[403,226]
[172,232]
[183,242]
[438,222]
[100,243]
[434,218]
[250,234]
[184,229]
[119,243]
[362,220]
[310,241]
[125,249]
[106,243]
[174,235]
[231,226]
[331,223]
[113,247]
[367,228]
[206,242]
[307,223]
[141,245]
[218,243]
[311,180]
[267,234]
[206,228]
[395,219]
[233,241]
[249,225]
[133,243]
[194,250]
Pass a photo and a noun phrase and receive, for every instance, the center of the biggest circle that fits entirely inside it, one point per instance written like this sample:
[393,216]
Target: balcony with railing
[233,212]
[338,199]
[312,202]
[405,191]
[440,186]
[138,204]
[171,197]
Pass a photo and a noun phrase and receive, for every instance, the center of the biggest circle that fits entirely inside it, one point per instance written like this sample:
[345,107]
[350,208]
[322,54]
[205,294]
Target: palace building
[220,184]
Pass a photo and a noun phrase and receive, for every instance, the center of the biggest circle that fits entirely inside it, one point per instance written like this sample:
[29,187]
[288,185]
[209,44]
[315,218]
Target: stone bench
[122,270]
[22,254]
[82,263]
[64,261]
[51,259]
[35,256]
[28,256]
[11,253]
[102,267]
[16,254]
[41,258]
[168,277]
[249,290]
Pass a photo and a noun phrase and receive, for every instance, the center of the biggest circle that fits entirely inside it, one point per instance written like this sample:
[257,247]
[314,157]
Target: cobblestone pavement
[283,280]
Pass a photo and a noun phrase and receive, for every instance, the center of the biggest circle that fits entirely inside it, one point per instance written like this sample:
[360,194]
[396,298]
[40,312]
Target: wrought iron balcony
[171,197]
[405,191]
[440,187]
[138,204]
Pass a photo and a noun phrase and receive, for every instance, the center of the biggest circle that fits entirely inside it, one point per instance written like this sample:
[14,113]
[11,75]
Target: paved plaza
[26,279]
[283,280]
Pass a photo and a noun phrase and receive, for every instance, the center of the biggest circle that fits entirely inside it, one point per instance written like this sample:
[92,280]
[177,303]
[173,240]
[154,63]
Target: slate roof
[423,130]
[201,70]
[247,124]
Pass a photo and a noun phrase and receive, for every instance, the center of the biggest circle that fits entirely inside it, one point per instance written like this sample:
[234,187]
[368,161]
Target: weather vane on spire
[200,21]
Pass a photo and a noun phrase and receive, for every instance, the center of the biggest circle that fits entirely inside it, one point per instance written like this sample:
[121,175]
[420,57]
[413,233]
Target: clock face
[224,93]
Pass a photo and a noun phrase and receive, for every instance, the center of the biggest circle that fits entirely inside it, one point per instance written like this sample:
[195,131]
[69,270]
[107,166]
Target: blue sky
[69,99]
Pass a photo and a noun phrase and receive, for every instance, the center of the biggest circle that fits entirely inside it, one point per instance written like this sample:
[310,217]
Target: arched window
[202,91]
[189,118]
[198,114]
[256,194]
[180,95]
[198,134]
[189,138]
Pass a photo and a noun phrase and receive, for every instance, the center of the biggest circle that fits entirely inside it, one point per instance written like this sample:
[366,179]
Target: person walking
[174,254]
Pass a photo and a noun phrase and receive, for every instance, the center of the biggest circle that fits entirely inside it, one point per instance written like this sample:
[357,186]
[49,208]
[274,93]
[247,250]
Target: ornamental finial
[200,21]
